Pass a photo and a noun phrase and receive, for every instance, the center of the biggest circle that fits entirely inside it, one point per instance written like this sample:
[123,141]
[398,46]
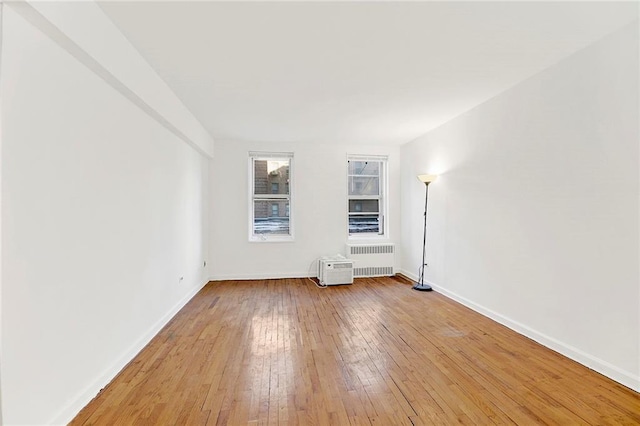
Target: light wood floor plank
[276,352]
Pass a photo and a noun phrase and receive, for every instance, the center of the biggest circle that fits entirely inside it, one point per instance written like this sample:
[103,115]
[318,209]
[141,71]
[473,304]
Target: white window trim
[262,238]
[384,187]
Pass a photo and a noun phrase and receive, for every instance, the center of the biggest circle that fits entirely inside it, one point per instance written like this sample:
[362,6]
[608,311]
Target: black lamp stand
[420,285]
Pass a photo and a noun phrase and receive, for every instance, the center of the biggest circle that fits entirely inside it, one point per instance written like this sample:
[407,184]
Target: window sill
[271,239]
[367,237]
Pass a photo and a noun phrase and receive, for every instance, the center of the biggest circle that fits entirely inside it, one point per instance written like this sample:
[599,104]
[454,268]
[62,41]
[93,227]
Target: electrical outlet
[204,264]
[180,280]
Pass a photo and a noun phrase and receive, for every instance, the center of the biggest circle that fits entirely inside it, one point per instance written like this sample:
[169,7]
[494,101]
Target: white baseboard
[67,414]
[409,275]
[259,276]
[621,376]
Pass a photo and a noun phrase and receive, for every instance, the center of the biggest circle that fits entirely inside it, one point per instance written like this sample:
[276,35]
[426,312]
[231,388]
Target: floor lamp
[420,285]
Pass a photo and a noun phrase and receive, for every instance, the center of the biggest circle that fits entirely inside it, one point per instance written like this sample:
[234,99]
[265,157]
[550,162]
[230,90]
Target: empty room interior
[340,213]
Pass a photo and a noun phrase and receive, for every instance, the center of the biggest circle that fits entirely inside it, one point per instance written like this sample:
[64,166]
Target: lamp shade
[427,178]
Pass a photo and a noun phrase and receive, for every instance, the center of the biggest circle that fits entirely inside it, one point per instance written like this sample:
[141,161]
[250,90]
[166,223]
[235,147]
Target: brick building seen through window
[271,197]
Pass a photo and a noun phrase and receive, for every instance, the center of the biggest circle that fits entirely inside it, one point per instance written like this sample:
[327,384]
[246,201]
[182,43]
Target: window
[270,175]
[366,178]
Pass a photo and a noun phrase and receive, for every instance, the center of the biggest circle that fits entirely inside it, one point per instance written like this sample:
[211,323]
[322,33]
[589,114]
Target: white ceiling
[352,72]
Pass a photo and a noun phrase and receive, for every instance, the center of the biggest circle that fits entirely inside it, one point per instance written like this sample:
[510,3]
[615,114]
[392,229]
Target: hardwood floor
[374,353]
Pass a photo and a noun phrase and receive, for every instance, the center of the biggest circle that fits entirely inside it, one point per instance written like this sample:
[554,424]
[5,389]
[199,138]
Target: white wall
[319,185]
[1,9]
[534,220]
[103,210]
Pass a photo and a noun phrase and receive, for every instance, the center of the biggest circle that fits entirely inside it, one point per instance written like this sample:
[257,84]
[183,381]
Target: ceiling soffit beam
[80,28]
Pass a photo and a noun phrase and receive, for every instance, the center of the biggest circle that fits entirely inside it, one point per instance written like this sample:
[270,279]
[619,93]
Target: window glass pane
[269,217]
[364,223]
[365,206]
[271,176]
[360,185]
[364,168]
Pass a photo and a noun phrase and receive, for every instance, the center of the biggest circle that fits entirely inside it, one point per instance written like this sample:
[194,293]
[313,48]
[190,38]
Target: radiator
[372,260]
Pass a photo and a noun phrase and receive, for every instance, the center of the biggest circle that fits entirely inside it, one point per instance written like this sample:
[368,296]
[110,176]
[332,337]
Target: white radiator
[372,260]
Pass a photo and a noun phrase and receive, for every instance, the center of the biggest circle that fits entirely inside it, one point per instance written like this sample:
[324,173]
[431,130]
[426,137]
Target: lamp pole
[420,285]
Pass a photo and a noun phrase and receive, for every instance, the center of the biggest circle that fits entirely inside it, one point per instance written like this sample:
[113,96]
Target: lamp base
[422,287]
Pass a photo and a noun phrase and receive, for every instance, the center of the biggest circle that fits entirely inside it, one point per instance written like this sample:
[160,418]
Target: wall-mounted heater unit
[372,260]
[335,270]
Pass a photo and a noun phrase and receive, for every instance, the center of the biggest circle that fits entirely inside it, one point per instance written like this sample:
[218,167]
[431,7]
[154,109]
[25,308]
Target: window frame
[253,197]
[382,197]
